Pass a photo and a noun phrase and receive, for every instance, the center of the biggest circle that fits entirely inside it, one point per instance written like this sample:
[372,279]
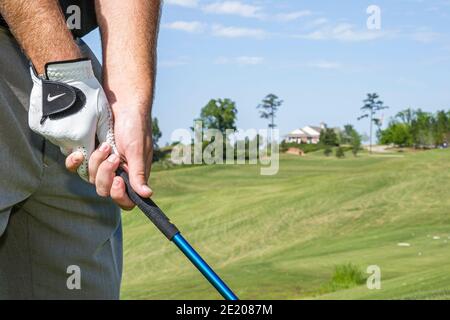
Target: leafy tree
[441,127]
[398,134]
[156,132]
[340,152]
[346,135]
[355,142]
[269,107]
[405,116]
[329,137]
[421,129]
[418,128]
[220,114]
[351,137]
[156,135]
[448,117]
[372,105]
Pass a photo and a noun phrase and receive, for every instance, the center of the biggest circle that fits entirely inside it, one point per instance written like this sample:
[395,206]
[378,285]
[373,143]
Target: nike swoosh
[50,99]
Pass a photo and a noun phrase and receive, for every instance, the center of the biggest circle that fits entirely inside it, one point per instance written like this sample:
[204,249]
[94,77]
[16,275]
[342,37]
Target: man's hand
[133,141]
[129,31]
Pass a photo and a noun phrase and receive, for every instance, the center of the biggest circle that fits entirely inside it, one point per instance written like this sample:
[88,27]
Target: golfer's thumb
[138,181]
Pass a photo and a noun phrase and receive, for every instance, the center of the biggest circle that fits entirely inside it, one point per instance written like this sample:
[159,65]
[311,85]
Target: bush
[346,276]
[327,152]
[356,150]
[307,148]
[340,152]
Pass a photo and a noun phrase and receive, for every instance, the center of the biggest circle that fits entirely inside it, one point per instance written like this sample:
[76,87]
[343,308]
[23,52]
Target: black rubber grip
[149,208]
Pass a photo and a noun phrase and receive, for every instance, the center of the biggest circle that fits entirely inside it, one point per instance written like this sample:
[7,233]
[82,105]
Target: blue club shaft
[162,222]
[203,267]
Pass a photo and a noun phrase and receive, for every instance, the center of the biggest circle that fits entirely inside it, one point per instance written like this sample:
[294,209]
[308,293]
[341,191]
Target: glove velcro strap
[60,100]
[72,70]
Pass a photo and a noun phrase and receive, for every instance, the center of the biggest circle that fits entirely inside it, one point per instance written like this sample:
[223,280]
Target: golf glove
[69,108]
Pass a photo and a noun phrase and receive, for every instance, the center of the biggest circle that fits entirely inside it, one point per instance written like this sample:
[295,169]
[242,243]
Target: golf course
[285,236]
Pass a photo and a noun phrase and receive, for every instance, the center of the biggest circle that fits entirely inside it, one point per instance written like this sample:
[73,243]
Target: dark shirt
[88,18]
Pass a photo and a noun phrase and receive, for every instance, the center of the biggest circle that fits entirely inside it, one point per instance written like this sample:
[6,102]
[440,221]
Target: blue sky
[318,56]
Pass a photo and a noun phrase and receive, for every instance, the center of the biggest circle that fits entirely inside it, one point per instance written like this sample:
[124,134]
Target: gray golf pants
[58,239]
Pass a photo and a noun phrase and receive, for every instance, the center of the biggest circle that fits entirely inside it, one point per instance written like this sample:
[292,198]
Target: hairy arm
[129,31]
[40,28]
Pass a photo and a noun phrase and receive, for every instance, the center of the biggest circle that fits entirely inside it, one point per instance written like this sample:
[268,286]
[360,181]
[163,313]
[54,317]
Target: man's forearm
[129,32]
[40,29]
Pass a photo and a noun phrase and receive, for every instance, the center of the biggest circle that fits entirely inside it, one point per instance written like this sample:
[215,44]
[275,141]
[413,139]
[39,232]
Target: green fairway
[280,237]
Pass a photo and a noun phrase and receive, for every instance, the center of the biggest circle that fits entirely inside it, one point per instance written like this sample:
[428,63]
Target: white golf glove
[69,108]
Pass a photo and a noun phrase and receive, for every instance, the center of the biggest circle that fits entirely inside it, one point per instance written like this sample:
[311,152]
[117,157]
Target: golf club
[162,222]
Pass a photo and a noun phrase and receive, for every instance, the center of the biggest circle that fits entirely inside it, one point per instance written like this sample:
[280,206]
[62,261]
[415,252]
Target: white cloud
[233,8]
[291,16]
[191,27]
[183,3]
[216,30]
[346,32]
[237,32]
[343,32]
[242,60]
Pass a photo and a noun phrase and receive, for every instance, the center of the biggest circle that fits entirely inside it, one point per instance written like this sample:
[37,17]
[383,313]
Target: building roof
[297,133]
[306,132]
[318,129]
[312,131]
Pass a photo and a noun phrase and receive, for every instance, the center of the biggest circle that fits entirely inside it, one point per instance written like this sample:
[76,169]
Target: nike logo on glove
[50,98]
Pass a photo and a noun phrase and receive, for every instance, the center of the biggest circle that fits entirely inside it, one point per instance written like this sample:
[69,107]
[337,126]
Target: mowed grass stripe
[281,236]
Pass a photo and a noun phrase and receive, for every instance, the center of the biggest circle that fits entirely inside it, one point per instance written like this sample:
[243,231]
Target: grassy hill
[281,237]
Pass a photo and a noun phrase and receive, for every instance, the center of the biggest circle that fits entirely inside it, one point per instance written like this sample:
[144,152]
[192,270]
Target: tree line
[409,128]
[417,128]
[221,114]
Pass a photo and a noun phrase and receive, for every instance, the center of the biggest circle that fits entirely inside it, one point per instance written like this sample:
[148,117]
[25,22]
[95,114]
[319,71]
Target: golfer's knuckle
[140,176]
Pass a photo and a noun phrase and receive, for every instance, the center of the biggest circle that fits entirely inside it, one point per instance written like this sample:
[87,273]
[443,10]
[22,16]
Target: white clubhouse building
[307,135]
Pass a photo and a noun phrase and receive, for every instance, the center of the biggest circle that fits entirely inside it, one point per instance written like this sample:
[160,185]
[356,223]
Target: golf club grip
[149,208]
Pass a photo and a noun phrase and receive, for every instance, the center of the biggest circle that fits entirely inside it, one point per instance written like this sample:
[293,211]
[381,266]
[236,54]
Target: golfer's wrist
[131,114]
[137,101]
[66,54]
